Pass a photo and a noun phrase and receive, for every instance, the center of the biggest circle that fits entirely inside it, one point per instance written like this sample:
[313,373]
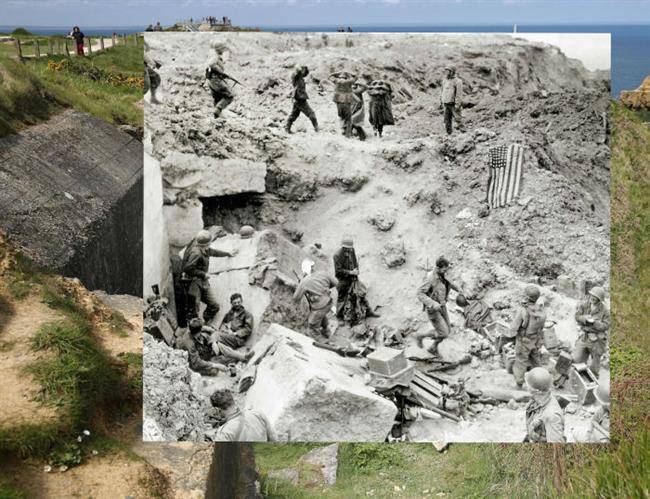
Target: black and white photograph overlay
[376,237]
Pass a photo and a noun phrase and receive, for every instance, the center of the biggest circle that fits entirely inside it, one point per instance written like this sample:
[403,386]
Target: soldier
[216,77]
[599,429]
[450,98]
[544,416]
[344,99]
[196,261]
[346,270]
[433,294]
[189,340]
[380,110]
[300,104]
[151,77]
[315,286]
[357,110]
[528,330]
[593,317]
[234,330]
[248,425]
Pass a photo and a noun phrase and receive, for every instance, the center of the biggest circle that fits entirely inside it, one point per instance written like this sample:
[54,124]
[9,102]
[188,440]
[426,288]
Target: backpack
[533,320]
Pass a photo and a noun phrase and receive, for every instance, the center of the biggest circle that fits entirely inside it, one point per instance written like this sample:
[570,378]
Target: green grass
[31,93]
[619,469]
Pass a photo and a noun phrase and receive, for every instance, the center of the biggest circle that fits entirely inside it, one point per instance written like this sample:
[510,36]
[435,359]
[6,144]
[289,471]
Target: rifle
[209,71]
[305,295]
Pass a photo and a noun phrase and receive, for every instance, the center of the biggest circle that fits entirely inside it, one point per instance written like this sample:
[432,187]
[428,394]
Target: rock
[464,214]
[326,460]
[483,212]
[313,395]
[512,404]
[384,221]
[451,350]
[483,134]
[172,411]
[639,98]
[183,221]
[441,446]
[393,254]
[294,234]
[210,177]
[290,475]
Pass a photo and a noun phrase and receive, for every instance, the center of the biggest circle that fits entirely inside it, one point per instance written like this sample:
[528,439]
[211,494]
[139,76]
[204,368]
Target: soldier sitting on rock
[191,340]
[234,330]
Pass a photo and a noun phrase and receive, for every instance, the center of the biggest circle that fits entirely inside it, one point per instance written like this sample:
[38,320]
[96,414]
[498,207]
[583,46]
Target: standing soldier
[315,286]
[196,261]
[151,77]
[344,98]
[357,110]
[216,78]
[300,104]
[593,317]
[433,294]
[380,110]
[450,98]
[346,270]
[544,416]
[528,330]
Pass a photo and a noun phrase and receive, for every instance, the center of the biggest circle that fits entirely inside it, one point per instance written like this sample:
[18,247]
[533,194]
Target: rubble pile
[172,411]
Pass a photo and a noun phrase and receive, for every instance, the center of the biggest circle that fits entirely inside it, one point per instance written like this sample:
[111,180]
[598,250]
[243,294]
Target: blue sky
[324,12]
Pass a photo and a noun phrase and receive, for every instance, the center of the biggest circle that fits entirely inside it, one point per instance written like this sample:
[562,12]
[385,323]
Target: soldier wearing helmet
[528,330]
[599,429]
[196,261]
[544,416]
[315,287]
[216,78]
[433,294]
[300,104]
[592,315]
[192,340]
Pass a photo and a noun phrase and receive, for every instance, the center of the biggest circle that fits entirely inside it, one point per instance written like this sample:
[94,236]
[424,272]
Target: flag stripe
[505,171]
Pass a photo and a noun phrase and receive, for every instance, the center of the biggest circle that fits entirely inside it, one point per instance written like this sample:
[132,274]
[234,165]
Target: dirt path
[18,388]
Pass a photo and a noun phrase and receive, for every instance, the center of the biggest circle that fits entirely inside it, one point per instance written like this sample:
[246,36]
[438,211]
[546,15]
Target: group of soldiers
[348,96]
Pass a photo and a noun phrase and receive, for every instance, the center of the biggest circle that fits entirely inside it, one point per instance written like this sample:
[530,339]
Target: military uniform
[186,342]
[300,104]
[357,111]
[380,111]
[196,262]
[246,426]
[528,329]
[344,99]
[151,76]
[240,323]
[545,420]
[592,341]
[599,429]
[221,93]
[451,91]
[316,287]
[433,293]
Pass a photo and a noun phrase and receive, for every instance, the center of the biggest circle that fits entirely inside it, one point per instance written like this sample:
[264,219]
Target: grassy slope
[30,93]
[617,470]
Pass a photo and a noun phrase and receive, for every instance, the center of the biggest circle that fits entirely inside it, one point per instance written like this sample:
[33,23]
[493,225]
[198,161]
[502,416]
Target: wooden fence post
[51,44]
[90,46]
[101,43]
[19,49]
[37,49]
[113,40]
[67,50]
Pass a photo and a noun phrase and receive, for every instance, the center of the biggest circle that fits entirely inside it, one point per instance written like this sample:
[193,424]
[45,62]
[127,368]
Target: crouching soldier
[190,341]
[593,317]
[528,330]
[599,429]
[316,286]
[246,425]
[196,262]
[544,416]
[433,294]
[235,329]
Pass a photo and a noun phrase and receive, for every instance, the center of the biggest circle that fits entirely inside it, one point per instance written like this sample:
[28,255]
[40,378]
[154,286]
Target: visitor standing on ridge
[78,36]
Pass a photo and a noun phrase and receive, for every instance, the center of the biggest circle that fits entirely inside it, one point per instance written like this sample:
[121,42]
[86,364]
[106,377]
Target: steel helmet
[602,394]
[532,293]
[246,232]
[347,242]
[597,292]
[461,301]
[196,324]
[203,237]
[539,379]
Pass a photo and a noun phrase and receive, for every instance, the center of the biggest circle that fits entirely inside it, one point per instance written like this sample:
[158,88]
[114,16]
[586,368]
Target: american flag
[506,165]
